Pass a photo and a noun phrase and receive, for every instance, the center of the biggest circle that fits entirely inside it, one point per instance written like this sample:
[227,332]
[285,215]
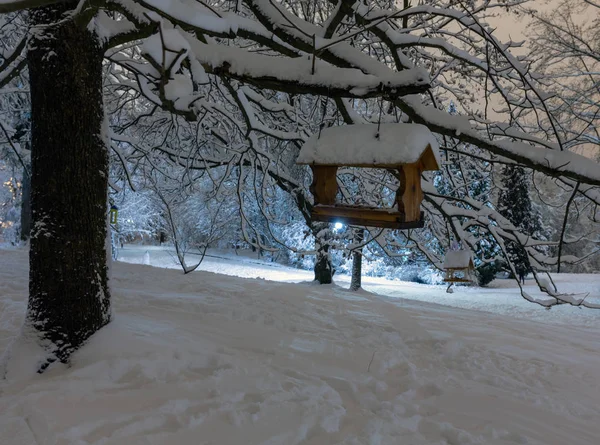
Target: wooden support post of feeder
[410,149]
[409,195]
[324,185]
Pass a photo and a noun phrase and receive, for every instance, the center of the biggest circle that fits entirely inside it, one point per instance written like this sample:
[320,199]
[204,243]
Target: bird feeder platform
[409,149]
[365,216]
[450,278]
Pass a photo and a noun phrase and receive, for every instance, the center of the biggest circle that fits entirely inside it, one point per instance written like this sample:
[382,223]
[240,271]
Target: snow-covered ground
[209,359]
[502,296]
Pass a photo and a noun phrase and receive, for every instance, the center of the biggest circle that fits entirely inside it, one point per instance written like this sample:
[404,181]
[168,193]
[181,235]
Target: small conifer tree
[514,202]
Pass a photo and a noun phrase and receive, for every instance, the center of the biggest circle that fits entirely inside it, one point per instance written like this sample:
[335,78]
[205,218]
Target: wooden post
[409,194]
[324,186]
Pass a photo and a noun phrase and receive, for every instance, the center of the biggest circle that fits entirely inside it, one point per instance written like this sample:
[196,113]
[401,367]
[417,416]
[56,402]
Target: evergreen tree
[474,180]
[514,203]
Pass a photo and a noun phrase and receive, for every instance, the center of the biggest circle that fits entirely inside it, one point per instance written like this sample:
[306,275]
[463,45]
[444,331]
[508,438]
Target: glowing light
[338,225]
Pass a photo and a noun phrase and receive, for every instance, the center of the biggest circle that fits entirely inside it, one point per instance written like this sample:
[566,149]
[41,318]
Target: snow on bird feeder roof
[366,145]
[458,259]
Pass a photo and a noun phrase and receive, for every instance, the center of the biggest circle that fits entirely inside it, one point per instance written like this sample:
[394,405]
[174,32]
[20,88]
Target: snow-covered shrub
[297,236]
[10,226]
[487,272]
[10,205]
[386,267]
[376,267]
[419,273]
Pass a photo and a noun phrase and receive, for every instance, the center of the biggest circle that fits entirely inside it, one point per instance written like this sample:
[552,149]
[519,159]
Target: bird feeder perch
[410,149]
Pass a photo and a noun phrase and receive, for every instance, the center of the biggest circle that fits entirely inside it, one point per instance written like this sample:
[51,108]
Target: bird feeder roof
[366,145]
[458,259]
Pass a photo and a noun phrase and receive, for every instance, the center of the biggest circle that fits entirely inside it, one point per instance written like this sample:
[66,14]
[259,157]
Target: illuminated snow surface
[207,358]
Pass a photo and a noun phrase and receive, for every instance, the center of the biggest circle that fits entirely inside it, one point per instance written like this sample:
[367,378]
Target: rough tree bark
[69,298]
[323,268]
[355,282]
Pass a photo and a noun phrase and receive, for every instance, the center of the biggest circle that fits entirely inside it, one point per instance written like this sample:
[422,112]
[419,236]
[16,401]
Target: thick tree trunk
[69,298]
[323,268]
[355,282]
[25,207]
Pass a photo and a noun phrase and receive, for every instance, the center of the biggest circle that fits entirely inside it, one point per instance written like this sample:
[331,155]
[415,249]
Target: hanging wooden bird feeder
[410,149]
[458,266]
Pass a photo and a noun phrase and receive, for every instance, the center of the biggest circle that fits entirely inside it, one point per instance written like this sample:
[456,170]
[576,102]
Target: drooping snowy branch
[231,93]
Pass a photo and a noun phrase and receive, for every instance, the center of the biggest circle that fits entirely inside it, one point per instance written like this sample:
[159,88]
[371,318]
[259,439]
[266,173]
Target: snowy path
[206,359]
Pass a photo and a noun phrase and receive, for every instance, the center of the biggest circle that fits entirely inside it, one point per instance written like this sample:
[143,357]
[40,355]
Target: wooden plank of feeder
[324,186]
[428,161]
[410,194]
[360,212]
[451,278]
[369,217]
[369,223]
